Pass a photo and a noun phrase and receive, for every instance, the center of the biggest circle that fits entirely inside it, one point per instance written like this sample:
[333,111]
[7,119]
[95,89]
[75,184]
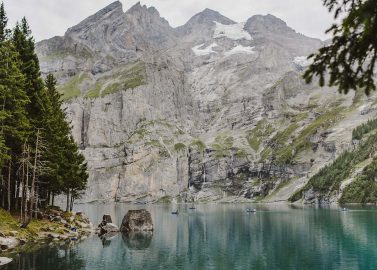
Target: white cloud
[52,17]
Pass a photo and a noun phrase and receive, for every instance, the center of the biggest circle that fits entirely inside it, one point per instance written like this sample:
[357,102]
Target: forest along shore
[51,225]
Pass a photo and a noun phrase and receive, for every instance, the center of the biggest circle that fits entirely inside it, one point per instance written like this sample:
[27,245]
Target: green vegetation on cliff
[364,188]
[360,131]
[222,145]
[329,179]
[71,89]
[258,134]
[285,145]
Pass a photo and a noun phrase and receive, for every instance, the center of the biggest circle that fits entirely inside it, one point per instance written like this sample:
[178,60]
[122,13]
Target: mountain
[211,110]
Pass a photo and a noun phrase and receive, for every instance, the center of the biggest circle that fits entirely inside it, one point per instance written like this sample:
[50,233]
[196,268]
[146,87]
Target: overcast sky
[50,18]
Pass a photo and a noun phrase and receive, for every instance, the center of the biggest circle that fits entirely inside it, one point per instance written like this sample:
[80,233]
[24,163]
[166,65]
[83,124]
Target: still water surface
[223,236]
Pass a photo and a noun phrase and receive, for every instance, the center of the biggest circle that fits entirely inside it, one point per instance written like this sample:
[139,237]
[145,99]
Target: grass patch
[199,145]
[222,145]
[95,92]
[256,136]
[241,153]
[133,82]
[165,199]
[112,88]
[300,143]
[71,89]
[9,224]
[179,147]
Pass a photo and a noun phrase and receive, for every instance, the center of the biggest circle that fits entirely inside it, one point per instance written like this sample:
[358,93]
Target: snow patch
[205,51]
[232,31]
[240,49]
[302,61]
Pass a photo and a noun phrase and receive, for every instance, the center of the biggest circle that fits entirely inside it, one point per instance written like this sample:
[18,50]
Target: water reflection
[56,258]
[107,237]
[224,237]
[137,240]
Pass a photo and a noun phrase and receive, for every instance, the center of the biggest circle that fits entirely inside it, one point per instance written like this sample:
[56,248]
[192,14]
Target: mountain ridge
[217,112]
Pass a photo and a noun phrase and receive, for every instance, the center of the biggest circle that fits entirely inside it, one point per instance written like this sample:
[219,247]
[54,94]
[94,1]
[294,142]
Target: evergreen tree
[76,176]
[37,150]
[14,125]
[66,163]
[3,23]
[57,132]
[350,58]
[25,46]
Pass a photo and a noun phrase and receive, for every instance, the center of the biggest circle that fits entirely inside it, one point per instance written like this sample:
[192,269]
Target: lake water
[223,236]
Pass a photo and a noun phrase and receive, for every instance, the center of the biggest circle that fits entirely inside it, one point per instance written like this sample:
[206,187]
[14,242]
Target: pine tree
[14,125]
[25,46]
[4,32]
[75,172]
[38,154]
[67,165]
[57,131]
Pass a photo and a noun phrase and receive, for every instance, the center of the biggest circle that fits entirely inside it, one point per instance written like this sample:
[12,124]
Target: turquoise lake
[222,236]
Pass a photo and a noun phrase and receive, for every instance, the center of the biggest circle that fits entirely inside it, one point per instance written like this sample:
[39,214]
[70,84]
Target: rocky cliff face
[211,110]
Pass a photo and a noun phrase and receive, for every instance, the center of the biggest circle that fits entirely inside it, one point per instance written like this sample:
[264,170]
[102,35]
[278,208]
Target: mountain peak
[143,10]
[209,16]
[113,10]
[267,23]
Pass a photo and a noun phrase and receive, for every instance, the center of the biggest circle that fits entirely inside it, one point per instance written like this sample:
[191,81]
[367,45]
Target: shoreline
[53,227]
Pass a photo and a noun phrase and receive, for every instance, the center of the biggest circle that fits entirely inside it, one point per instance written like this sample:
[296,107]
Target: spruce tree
[25,46]
[14,125]
[76,177]
[3,23]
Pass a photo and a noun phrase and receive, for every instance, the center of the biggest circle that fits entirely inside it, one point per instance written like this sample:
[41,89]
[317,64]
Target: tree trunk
[48,198]
[71,205]
[26,185]
[67,208]
[32,202]
[9,191]
[2,191]
[36,202]
[23,187]
[16,193]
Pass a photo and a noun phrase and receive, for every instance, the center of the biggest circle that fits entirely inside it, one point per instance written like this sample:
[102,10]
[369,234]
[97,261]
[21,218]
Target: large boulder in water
[137,221]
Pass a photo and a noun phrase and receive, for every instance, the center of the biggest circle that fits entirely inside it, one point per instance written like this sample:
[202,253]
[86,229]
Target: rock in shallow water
[107,219]
[8,243]
[4,260]
[108,228]
[137,221]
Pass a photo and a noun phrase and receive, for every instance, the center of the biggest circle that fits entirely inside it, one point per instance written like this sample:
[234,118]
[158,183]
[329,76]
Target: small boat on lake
[251,210]
[175,212]
[344,209]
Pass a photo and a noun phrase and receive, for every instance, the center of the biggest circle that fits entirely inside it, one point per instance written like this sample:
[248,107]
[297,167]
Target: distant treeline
[363,188]
[358,133]
[38,156]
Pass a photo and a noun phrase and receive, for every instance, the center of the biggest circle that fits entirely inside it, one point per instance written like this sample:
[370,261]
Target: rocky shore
[52,226]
